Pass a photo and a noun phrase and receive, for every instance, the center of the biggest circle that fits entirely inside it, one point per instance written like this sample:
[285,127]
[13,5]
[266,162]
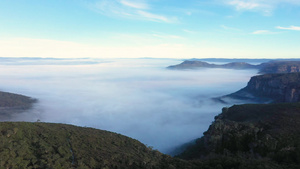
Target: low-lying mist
[138,98]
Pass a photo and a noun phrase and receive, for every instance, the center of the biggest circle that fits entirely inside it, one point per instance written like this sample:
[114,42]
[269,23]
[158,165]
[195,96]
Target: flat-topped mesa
[200,64]
[280,67]
[270,88]
[191,65]
[276,66]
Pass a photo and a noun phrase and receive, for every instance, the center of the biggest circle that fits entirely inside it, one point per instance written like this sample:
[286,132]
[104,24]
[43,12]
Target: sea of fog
[138,98]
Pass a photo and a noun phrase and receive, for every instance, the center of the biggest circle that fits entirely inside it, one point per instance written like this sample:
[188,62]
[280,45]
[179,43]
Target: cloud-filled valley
[138,98]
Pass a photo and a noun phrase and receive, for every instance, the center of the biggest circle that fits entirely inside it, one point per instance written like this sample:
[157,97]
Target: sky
[179,29]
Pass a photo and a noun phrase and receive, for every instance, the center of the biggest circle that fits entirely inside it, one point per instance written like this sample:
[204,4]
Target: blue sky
[150,28]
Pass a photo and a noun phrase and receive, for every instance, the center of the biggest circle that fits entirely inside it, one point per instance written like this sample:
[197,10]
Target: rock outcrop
[280,67]
[270,88]
[251,136]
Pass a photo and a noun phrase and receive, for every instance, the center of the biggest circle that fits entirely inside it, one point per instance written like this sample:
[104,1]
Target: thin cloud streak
[230,28]
[239,5]
[259,32]
[189,31]
[155,17]
[264,6]
[134,4]
[130,10]
[294,28]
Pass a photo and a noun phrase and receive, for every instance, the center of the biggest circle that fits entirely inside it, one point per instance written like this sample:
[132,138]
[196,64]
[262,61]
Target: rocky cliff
[270,88]
[280,67]
[251,136]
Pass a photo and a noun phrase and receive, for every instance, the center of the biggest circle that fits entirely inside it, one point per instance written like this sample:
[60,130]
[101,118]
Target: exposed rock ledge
[269,88]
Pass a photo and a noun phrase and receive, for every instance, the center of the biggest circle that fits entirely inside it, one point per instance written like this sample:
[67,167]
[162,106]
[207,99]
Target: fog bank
[138,98]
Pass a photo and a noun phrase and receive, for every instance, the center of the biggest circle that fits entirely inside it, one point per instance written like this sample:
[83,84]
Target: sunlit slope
[44,145]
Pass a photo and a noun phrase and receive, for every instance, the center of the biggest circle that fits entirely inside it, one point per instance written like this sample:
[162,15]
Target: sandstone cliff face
[279,87]
[268,88]
[253,132]
[280,67]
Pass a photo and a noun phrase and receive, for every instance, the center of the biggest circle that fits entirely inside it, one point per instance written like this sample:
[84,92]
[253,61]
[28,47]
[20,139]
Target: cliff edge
[269,88]
[251,136]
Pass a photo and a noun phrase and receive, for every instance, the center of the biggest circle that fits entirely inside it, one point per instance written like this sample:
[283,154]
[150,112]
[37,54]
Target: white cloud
[155,17]
[295,28]
[134,4]
[265,6]
[262,32]
[190,31]
[139,10]
[243,5]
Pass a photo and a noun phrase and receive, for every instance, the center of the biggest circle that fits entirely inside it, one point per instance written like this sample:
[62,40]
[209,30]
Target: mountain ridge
[273,66]
[11,104]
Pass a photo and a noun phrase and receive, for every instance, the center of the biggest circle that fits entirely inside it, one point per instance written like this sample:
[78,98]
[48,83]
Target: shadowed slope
[252,136]
[13,103]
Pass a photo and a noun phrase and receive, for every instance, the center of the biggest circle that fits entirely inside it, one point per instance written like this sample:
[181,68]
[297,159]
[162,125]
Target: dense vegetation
[251,136]
[242,136]
[11,104]
[44,145]
[15,100]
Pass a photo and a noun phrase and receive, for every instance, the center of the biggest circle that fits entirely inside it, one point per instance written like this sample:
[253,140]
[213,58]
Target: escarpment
[270,88]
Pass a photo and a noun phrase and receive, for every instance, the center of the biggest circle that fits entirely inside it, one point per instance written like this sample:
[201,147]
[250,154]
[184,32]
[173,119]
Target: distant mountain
[13,103]
[199,64]
[253,61]
[269,88]
[251,136]
[278,66]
